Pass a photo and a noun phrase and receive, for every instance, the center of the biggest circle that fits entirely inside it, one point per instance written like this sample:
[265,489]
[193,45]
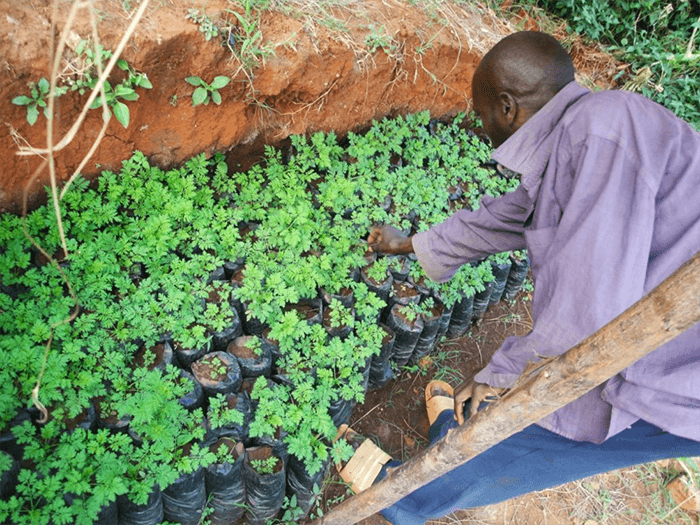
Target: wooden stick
[667,311]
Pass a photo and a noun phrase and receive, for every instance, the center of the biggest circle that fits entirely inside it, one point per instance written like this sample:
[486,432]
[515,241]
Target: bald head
[518,76]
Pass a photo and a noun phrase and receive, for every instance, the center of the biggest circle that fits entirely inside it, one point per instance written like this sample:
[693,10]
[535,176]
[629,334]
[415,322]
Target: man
[608,206]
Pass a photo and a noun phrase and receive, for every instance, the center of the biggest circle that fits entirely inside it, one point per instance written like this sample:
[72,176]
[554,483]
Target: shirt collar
[528,150]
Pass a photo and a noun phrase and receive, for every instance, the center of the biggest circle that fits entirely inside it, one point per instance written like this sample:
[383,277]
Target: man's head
[516,78]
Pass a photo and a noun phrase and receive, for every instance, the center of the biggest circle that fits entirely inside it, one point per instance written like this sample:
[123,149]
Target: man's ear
[508,107]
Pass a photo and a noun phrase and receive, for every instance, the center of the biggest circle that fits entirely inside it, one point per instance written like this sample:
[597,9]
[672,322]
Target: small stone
[410,442]
[590,522]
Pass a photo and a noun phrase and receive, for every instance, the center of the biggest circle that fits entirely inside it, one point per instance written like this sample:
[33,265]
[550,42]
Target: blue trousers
[533,459]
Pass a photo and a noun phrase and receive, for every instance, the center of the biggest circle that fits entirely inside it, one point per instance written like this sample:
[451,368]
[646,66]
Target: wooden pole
[661,315]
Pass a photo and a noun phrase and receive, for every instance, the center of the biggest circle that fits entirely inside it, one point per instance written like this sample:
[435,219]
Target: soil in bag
[221,422]
[444,319]
[187,356]
[431,324]
[254,358]
[224,482]
[380,367]
[378,282]
[500,276]
[461,318]
[194,398]
[481,301]
[218,373]
[310,310]
[149,513]
[408,326]
[306,487]
[264,476]
[516,276]
[184,499]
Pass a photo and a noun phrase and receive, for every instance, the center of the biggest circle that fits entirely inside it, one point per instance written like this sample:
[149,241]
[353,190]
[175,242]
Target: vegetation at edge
[144,245]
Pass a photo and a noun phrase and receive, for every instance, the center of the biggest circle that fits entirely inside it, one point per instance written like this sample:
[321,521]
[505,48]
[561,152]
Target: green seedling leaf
[121,111]
[43,85]
[199,96]
[219,82]
[96,103]
[32,114]
[123,91]
[195,81]
[142,81]
[22,100]
[216,97]
[122,64]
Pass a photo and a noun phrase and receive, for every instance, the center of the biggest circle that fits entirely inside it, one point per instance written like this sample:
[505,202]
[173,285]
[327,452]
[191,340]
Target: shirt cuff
[436,271]
[488,377]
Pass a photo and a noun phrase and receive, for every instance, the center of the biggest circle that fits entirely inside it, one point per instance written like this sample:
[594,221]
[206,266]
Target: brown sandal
[439,396]
[364,466]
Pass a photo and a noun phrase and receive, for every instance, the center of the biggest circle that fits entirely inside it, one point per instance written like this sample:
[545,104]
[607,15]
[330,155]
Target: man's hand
[477,392]
[387,239]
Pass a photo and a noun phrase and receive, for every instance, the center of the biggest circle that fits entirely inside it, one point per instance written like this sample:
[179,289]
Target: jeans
[533,459]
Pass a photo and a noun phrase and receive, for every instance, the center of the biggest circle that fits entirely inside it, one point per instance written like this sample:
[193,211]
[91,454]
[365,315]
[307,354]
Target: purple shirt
[608,206]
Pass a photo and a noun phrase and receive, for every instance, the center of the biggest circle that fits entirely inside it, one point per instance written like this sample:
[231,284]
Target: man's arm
[497,226]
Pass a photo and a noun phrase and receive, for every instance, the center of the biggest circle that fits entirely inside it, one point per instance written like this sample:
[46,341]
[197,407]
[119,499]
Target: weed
[378,38]
[204,93]
[36,99]
[206,25]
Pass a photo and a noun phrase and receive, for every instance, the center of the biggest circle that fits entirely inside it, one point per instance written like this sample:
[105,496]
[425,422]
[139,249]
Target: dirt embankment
[389,58]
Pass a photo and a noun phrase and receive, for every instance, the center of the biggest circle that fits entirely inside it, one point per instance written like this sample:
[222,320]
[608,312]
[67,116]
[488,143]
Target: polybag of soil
[426,341]
[252,325]
[184,499]
[254,357]
[345,296]
[187,356]
[399,266]
[8,480]
[224,483]
[218,373]
[380,367]
[444,320]
[516,276]
[401,293]
[311,310]
[220,340]
[381,288]
[305,486]
[500,276]
[194,398]
[407,334]
[481,301]
[218,425]
[264,476]
[150,513]
[340,410]
[461,317]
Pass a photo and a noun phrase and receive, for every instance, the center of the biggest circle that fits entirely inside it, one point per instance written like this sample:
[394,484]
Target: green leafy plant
[204,93]
[378,38]
[220,415]
[206,25]
[264,466]
[36,99]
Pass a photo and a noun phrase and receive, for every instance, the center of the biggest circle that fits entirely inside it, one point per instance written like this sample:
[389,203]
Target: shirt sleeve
[496,226]
[589,247]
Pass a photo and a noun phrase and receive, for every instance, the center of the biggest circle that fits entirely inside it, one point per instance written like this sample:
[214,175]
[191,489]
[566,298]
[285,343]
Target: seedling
[264,466]
[206,25]
[204,93]
[37,99]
